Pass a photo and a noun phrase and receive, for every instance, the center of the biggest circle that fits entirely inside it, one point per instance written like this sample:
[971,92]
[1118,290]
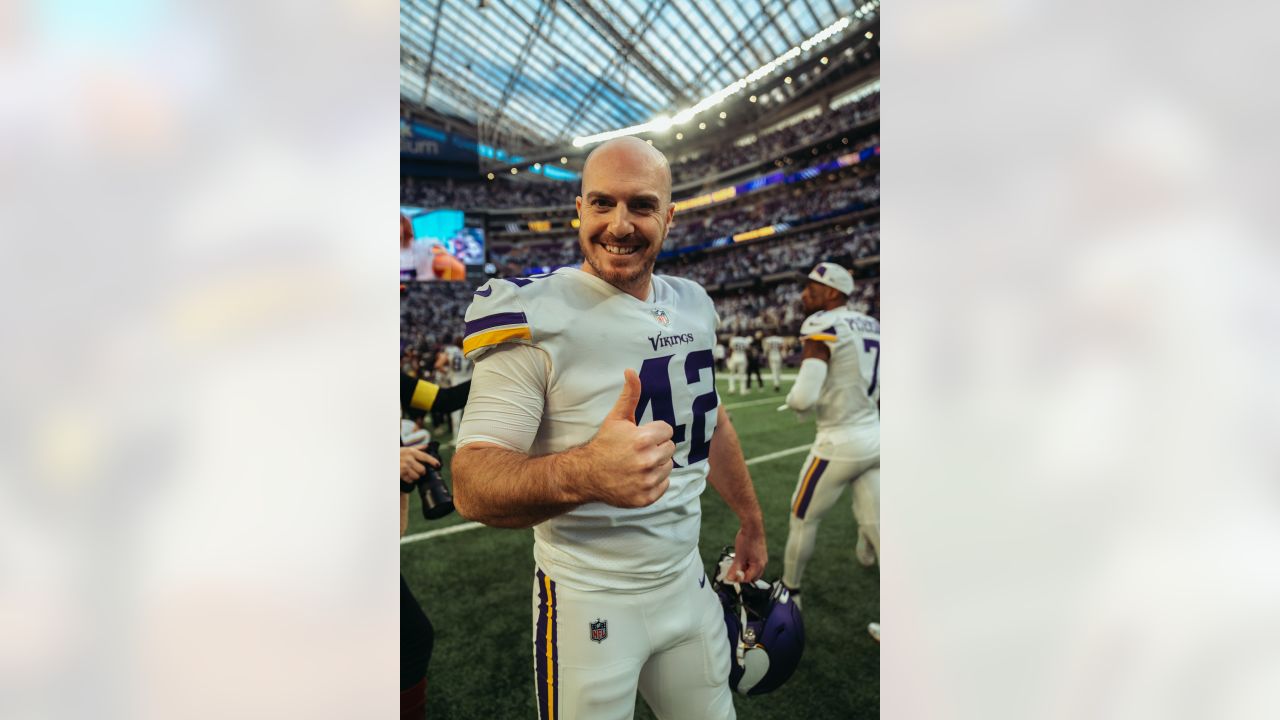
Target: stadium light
[679,136]
[723,115]
[564,160]
[823,60]
[490,176]
[869,35]
[662,123]
[787,80]
[702,126]
[514,171]
[537,166]
[752,98]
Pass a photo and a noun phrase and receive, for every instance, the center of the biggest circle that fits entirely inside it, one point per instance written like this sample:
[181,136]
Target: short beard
[625,282]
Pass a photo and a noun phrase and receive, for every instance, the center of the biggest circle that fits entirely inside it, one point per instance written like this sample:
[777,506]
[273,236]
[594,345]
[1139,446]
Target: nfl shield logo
[661,316]
[599,630]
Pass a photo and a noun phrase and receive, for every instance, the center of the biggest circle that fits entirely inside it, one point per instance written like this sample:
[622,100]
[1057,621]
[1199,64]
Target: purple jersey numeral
[694,364]
[873,345]
[656,395]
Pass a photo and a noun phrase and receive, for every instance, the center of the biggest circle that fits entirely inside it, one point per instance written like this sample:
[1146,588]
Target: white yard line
[437,533]
[748,403]
[473,525]
[778,454]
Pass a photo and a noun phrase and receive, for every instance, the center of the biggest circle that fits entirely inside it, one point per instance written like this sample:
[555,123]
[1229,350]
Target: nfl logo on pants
[599,630]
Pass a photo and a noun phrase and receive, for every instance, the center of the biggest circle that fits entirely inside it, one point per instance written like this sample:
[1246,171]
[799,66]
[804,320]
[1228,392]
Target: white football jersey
[459,365]
[773,346]
[739,344]
[591,332]
[848,416]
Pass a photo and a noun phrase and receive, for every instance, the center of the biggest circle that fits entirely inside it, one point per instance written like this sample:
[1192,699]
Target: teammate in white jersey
[460,367]
[773,350]
[840,375]
[594,418]
[738,347]
[443,368]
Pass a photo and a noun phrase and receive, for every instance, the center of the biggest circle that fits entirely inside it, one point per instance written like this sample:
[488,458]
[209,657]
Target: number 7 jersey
[590,332]
[848,409]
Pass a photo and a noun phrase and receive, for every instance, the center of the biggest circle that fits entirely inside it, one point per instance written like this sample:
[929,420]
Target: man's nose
[620,224]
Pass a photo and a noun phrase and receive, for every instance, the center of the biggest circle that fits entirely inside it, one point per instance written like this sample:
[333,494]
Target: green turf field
[475,586]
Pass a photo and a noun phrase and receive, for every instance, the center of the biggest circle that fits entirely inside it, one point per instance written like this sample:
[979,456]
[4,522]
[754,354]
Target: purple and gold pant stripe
[811,476]
[546,651]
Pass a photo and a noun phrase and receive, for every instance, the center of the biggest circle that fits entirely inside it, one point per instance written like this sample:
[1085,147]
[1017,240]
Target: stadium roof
[555,69]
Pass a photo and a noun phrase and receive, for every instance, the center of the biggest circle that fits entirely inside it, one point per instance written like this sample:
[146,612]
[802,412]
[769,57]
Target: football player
[594,419]
[840,377]
[738,347]
[773,349]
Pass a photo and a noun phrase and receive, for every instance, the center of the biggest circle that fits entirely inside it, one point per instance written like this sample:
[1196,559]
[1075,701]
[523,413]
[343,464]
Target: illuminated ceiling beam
[598,22]
[431,55]
[535,30]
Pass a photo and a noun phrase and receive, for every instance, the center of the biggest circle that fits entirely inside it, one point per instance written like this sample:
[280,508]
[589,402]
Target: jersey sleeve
[495,317]
[819,326]
[507,398]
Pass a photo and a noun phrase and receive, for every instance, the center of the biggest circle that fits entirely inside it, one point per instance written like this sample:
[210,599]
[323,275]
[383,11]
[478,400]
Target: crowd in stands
[552,251]
[496,194]
[789,253]
[431,316]
[776,309]
[792,206]
[772,145]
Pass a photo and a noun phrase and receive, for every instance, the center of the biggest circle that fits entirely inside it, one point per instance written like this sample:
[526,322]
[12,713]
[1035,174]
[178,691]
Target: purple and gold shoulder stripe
[828,335]
[495,329]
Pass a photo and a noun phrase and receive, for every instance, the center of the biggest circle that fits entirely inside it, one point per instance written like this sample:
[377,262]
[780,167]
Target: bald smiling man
[594,419]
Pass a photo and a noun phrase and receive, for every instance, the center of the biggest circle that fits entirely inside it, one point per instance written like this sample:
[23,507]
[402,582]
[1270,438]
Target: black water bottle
[437,501]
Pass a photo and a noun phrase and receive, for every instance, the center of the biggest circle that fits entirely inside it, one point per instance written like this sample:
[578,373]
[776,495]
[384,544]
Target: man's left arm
[729,476]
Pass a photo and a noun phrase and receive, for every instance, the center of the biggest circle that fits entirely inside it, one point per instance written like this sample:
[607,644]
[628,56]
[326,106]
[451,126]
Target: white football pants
[818,489]
[738,371]
[775,369]
[593,650]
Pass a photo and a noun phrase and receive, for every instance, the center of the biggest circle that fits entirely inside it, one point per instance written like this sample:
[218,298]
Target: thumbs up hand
[629,465]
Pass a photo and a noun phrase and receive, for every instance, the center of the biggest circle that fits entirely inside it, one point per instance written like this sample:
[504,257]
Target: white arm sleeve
[804,394]
[508,391]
